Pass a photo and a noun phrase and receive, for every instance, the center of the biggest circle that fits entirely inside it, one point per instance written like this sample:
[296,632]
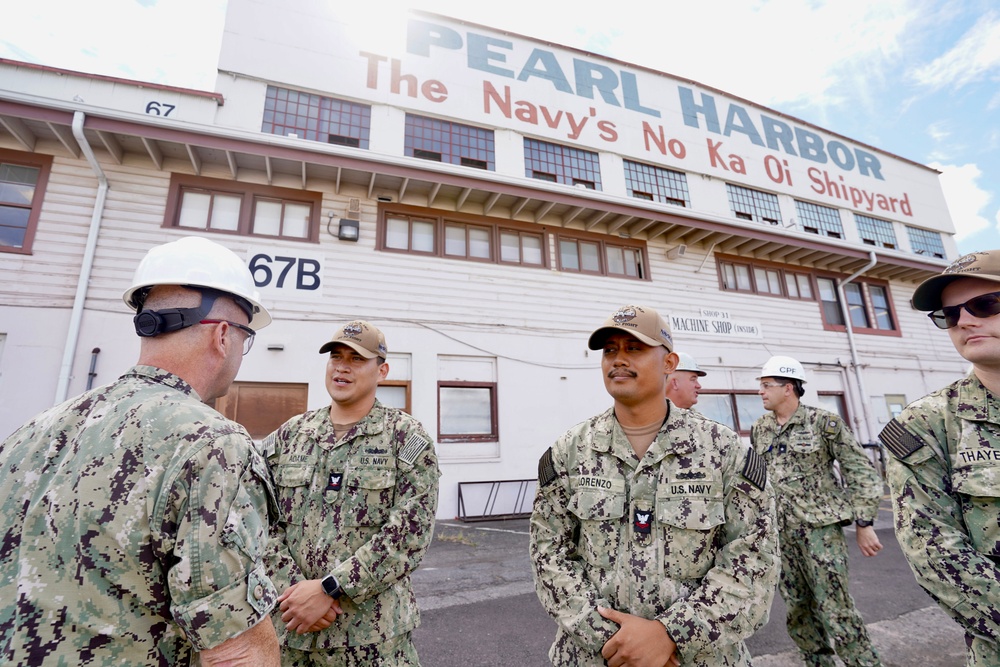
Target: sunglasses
[247,342]
[984,305]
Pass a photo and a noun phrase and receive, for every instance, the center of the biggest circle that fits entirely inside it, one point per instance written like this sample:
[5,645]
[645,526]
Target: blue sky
[917,78]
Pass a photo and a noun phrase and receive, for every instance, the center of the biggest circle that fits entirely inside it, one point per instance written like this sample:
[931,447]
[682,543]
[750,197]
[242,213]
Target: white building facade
[487,200]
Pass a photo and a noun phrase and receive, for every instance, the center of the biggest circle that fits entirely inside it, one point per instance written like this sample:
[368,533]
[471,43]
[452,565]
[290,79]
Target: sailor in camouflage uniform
[944,472]
[653,534]
[357,486]
[135,515]
[801,444]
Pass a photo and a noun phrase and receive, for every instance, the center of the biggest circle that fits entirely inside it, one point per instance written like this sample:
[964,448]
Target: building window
[23,177]
[460,237]
[467,411]
[316,118]
[261,407]
[868,305]
[875,232]
[761,278]
[394,393]
[656,184]
[740,409]
[247,209]
[561,164]
[747,204]
[925,242]
[599,257]
[454,143]
[821,220]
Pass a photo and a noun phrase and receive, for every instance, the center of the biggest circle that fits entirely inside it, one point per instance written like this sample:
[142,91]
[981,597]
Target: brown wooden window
[740,409]
[395,394]
[737,275]
[467,412]
[869,306]
[246,209]
[23,178]
[261,407]
[601,257]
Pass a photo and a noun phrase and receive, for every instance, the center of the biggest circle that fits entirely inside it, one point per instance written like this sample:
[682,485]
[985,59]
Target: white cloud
[966,200]
[972,58]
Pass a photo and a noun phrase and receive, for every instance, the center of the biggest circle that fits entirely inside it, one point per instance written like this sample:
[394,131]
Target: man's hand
[639,642]
[305,607]
[868,540]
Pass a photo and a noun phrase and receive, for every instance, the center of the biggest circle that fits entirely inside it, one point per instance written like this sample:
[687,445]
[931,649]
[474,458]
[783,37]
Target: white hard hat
[197,262]
[687,363]
[783,367]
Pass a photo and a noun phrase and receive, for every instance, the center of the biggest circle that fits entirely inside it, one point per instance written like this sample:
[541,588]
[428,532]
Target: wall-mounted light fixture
[676,251]
[348,230]
[276,347]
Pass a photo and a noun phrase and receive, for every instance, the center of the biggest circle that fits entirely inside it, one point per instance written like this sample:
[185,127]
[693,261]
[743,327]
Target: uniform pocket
[367,497]
[292,483]
[600,516]
[689,526]
[979,490]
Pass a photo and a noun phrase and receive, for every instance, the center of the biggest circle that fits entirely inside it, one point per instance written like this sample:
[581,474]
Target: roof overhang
[433,185]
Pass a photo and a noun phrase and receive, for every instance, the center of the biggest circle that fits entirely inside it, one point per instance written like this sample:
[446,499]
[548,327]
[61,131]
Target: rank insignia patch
[642,521]
[335,480]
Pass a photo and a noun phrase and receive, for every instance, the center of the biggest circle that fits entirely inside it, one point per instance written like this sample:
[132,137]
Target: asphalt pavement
[479,609]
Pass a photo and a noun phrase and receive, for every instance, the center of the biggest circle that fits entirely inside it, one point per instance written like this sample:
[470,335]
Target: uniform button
[258,591]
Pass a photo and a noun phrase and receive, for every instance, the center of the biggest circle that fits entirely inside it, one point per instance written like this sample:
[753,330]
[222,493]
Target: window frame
[760,201]
[281,108]
[880,231]
[752,265]
[653,183]
[869,307]
[408,392]
[493,436]
[441,219]
[249,194]
[925,242]
[563,164]
[734,409]
[454,150]
[44,165]
[814,213]
[603,243]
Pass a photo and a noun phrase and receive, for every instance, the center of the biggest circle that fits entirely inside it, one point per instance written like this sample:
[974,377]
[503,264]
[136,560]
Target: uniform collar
[160,376]
[675,437]
[974,401]
[371,424]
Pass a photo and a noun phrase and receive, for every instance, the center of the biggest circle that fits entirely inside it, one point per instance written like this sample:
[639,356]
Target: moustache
[621,373]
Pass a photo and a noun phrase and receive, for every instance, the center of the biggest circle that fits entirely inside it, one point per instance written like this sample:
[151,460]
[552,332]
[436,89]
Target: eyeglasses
[247,342]
[984,305]
[768,385]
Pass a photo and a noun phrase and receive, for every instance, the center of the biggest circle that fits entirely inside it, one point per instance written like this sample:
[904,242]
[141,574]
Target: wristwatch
[863,523]
[332,587]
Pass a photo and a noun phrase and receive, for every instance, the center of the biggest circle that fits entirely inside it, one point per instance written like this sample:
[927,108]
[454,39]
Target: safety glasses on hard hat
[984,305]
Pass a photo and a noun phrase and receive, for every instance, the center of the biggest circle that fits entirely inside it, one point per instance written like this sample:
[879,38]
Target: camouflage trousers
[396,652]
[821,611]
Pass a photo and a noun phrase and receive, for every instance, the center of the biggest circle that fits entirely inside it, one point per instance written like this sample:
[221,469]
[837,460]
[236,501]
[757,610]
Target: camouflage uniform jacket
[686,535]
[135,521]
[944,476]
[800,458]
[361,508]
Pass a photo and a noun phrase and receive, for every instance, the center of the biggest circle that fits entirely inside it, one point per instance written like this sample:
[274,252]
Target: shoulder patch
[754,469]
[546,469]
[832,425]
[412,448]
[898,440]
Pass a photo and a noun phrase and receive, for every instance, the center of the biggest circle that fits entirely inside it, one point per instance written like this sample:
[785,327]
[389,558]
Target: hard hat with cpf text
[198,263]
[642,322]
[687,363]
[783,367]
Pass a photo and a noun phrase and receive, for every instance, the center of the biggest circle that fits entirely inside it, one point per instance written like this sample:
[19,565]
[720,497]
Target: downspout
[76,317]
[865,408]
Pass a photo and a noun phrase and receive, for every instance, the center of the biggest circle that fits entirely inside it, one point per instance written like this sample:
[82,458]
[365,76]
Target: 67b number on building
[301,274]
